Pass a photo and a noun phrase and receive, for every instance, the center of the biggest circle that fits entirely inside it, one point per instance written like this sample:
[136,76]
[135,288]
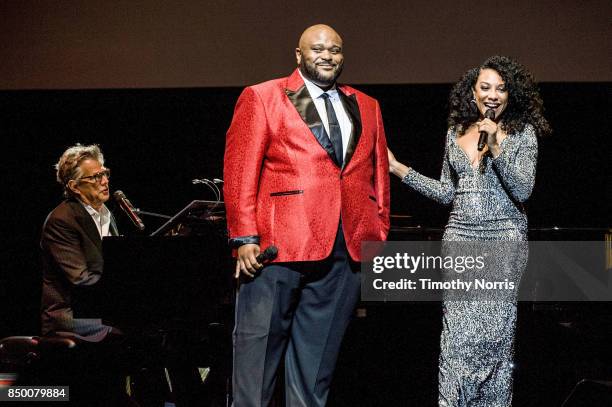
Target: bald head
[319,55]
[318,31]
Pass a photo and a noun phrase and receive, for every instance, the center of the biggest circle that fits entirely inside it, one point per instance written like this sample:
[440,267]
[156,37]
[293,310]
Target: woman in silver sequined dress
[487,189]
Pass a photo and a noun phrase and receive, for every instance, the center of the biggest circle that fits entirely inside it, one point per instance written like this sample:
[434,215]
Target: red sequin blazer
[282,184]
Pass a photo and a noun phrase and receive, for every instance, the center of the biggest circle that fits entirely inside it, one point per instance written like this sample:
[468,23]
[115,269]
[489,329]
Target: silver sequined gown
[476,355]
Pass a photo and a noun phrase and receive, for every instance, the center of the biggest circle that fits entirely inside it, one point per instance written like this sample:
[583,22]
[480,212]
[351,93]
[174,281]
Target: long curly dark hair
[524,101]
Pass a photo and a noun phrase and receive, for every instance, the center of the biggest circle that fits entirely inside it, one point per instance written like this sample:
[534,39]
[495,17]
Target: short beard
[310,71]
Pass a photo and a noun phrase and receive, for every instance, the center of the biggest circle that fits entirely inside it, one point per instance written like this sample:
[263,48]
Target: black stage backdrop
[157,140]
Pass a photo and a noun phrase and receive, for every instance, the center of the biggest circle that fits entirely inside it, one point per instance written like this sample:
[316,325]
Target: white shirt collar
[315,91]
[103,210]
[101,218]
[346,125]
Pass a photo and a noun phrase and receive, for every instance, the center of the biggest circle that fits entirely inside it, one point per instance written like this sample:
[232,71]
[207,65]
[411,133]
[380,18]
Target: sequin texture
[476,345]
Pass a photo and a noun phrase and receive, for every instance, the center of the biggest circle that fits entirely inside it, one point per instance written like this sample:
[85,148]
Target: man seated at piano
[71,244]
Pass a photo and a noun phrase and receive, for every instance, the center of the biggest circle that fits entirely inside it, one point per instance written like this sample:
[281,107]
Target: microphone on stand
[128,208]
[482,140]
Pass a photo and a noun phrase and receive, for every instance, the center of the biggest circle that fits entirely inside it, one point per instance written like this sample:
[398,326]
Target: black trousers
[298,311]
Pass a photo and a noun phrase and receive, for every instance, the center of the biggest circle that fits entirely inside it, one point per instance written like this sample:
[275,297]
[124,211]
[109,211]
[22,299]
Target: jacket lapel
[114,230]
[300,98]
[86,222]
[352,109]
[298,95]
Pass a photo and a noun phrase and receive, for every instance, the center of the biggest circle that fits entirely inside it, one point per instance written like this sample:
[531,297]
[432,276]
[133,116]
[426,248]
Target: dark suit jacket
[72,259]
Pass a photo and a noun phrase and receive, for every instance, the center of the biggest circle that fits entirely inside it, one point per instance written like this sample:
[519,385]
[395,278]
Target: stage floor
[390,357]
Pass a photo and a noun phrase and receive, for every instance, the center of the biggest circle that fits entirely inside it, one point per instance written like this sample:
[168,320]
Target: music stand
[194,219]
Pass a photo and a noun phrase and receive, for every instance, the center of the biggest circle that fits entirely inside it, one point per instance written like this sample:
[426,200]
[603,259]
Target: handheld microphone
[128,208]
[269,254]
[482,140]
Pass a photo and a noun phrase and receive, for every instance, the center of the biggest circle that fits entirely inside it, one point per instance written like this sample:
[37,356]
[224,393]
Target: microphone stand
[152,214]
[211,184]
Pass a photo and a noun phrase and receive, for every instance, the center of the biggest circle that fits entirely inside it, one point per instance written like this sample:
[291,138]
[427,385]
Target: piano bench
[20,354]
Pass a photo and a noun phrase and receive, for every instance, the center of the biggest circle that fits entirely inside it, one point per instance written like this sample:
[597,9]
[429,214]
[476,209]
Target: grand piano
[178,278]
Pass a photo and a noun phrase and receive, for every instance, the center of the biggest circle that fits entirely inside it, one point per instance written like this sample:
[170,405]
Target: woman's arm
[442,191]
[516,163]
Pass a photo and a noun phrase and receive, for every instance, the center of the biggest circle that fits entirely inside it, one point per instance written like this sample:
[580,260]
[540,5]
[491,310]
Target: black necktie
[335,135]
